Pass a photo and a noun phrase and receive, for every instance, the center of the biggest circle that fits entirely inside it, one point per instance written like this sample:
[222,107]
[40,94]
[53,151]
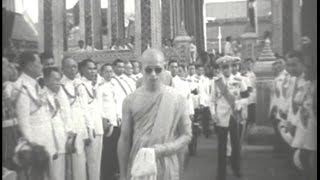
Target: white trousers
[93,156]
[57,168]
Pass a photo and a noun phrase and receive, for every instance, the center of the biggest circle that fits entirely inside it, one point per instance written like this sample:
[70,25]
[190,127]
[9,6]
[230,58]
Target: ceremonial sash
[74,97]
[121,85]
[90,95]
[56,144]
[127,84]
[229,98]
[37,102]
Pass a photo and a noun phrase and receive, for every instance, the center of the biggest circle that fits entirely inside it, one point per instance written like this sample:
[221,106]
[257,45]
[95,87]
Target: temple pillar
[156,38]
[296,28]
[142,25]
[277,33]
[166,11]
[85,20]
[116,19]
[96,24]
[51,27]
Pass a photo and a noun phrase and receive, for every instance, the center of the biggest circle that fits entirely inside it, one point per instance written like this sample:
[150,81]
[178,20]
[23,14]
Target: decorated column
[96,24]
[277,33]
[116,19]
[156,38]
[51,27]
[142,25]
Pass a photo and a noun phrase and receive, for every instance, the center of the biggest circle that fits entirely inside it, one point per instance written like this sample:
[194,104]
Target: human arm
[125,139]
[184,134]
[23,113]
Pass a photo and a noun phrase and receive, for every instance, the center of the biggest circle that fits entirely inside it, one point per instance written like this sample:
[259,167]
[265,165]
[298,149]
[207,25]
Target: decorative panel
[47,23]
[145,24]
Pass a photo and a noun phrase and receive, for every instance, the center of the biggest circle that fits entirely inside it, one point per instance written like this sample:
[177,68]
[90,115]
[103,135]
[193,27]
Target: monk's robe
[159,121]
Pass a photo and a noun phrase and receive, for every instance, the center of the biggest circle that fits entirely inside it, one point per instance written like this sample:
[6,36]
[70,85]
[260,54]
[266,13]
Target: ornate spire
[182,34]
[267,54]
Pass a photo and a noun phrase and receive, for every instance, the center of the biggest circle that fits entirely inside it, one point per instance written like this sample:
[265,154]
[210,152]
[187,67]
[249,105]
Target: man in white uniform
[69,84]
[58,111]
[129,77]
[30,107]
[110,116]
[227,93]
[136,69]
[204,91]
[122,89]
[92,108]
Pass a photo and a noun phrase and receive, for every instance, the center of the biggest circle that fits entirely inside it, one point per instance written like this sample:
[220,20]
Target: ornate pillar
[58,30]
[116,19]
[142,25]
[277,33]
[51,27]
[166,18]
[296,28]
[85,20]
[96,24]
[156,38]
[287,25]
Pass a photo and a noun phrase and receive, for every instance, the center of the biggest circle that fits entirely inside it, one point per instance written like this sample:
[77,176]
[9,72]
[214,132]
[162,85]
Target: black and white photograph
[159,89]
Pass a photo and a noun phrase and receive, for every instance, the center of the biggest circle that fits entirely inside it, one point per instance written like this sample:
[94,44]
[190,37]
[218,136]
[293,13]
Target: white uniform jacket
[77,114]
[91,105]
[109,103]
[31,113]
[182,86]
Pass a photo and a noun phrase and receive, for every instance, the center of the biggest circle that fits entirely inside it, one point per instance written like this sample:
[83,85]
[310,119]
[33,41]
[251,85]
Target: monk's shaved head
[152,56]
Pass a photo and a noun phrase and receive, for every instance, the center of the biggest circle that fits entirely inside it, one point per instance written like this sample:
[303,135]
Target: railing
[102,56]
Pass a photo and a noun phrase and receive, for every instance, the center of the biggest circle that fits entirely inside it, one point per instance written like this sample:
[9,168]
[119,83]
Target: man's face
[53,82]
[191,70]
[136,68]
[49,63]
[200,71]
[249,65]
[90,71]
[234,68]
[294,66]
[119,68]
[278,67]
[128,69]
[107,73]
[36,67]
[70,68]
[81,44]
[181,72]
[153,70]
[226,70]
[173,67]
[216,71]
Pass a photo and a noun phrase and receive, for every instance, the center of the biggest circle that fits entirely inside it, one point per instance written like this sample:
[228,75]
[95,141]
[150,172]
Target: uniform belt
[9,123]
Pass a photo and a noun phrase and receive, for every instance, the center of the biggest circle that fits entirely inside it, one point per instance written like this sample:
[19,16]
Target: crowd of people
[90,121]
[293,112]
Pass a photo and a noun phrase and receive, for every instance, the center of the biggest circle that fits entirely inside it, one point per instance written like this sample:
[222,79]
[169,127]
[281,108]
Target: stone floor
[259,163]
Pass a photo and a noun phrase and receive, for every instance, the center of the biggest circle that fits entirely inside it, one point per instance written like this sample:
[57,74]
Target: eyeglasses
[149,70]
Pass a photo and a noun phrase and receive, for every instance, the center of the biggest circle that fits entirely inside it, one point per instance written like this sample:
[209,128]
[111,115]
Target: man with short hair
[228,91]
[91,106]
[31,112]
[69,84]
[136,69]
[154,117]
[122,89]
[204,91]
[129,77]
[59,117]
[47,59]
[81,45]
[110,120]
[301,120]
[252,100]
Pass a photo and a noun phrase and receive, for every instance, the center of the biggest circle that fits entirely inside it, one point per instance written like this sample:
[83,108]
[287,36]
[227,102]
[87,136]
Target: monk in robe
[154,116]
